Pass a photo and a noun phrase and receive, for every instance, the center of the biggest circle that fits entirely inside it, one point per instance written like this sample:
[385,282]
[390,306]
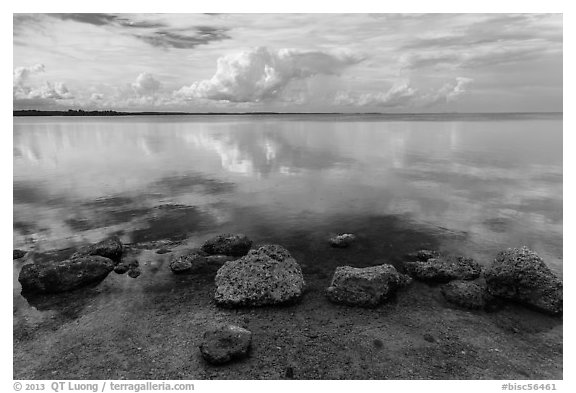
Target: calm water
[471,185]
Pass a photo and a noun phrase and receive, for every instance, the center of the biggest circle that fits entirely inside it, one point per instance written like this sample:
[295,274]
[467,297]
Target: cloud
[451,91]
[96,19]
[486,41]
[157,34]
[404,96]
[22,91]
[146,85]
[199,35]
[262,74]
[21,74]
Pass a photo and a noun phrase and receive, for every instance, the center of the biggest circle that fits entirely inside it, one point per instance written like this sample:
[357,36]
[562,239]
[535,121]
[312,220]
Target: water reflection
[497,181]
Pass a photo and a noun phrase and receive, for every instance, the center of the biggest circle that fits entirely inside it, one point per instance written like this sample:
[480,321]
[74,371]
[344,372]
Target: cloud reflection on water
[498,181]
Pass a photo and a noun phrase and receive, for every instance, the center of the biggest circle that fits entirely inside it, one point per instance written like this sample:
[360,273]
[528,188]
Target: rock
[65,275]
[225,343]
[228,244]
[430,338]
[444,269]
[109,248]
[17,254]
[187,263]
[163,251]
[422,255]
[268,275]
[466,294]
[365,287]
[342,241]
[134,272]
[522,276]
[121,268]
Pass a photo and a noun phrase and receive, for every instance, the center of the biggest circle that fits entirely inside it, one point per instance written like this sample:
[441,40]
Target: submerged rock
[342,241]
[134,272]
[126,265]
[466,294]
[109,248]
[268,275]
[121,268]
[228,244]
[422,255]
[522,276]
[225,343]
[64,276]
[17,254]
[444,269]
[187,263]
[365,287]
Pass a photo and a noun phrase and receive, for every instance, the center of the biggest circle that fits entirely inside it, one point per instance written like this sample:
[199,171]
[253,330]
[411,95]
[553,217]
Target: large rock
[365,287]
[64,276]
[224,344]
[109,248]
[443,269]
[466,294]
[268,275]
[17,254]
[522,276]
[228,244]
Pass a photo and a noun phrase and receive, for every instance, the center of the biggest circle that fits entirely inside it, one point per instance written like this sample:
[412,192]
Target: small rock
[163,251]
[443,269]
[187,263]
[342,241]
[366,287]
[225,343]
[110,248]
[520,275]
[134,272]
[17,254]
[121,268]
[228,244]
[422,255]
[428,337]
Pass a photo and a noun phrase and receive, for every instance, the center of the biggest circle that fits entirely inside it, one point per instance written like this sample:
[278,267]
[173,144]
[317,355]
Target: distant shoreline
[82,113]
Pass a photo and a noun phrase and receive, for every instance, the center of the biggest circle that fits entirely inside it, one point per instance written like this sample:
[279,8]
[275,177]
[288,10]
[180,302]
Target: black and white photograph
[286,196]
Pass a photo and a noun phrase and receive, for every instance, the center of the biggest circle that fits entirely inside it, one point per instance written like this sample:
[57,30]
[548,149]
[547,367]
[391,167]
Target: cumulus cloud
[146,85]
[451,91]
[47,91]
[21,74]
[403,96]
[261,74]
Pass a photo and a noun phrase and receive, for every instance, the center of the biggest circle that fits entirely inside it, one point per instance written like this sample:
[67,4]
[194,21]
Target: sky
[387,63]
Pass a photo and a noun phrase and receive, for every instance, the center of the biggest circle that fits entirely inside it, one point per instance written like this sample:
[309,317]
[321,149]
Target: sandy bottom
[150,328]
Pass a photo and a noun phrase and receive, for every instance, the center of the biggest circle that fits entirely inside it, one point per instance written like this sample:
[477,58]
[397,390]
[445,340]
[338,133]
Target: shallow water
[467,184]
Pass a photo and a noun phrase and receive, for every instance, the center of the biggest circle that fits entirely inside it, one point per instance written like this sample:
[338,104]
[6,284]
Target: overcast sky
[289,62]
